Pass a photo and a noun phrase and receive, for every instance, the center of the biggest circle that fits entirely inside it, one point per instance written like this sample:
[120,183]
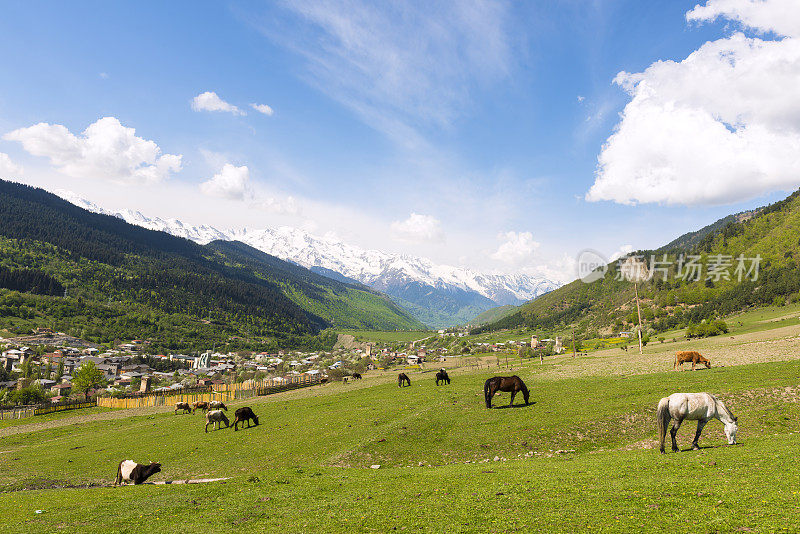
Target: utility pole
[639,312]
[573,341]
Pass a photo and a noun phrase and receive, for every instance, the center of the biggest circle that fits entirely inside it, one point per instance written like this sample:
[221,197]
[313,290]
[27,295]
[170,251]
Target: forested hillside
[677,295]
[124,281]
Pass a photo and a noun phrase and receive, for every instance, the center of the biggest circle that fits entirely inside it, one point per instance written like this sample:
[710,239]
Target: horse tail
[662,417]
[486,394]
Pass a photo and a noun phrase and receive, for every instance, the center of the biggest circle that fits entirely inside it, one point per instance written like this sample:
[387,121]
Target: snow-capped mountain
[438,295]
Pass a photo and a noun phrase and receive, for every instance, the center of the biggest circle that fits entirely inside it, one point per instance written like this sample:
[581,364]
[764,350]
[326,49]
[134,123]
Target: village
[43,364]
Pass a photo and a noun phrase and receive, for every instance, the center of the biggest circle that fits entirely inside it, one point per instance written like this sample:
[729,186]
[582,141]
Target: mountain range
[97,277]
[436,295]
[744,260]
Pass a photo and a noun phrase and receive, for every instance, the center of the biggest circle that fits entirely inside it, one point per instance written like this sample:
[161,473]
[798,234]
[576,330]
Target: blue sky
[469,133]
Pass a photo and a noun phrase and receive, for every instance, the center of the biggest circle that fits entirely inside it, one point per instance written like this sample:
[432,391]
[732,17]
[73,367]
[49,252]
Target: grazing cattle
[217,405]
[216,417]
[242,415]
[442,376]
[129,471]
[504,383]
[185,406]
[357,376]
[403,380]
[700,407]
[690,356]
[199,405]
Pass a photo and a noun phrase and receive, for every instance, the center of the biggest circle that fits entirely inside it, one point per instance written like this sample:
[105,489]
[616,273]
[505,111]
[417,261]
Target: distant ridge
[437,295]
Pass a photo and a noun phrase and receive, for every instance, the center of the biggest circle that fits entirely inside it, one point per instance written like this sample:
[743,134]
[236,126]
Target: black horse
[504,383]
[403,378]
[442,376]
[356,376]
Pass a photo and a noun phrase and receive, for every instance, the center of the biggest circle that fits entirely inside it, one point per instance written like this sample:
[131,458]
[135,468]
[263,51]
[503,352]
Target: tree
[88,376]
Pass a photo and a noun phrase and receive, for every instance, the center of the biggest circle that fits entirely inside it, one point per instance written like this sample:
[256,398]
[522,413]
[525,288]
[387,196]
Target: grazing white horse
[701,407]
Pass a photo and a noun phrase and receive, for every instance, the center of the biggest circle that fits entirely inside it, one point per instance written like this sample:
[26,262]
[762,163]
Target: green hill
[123,281]
[669,302]
[490,316]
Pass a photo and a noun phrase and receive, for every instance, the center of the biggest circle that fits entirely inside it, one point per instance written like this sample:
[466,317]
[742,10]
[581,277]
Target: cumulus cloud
[231,182]
[263,108]
[8,168]
[720,126]
[517,248]
[106,150]
[418,228]
[210,101]
[779,16]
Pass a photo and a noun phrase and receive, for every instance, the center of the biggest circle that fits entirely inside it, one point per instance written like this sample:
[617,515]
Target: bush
[707,329]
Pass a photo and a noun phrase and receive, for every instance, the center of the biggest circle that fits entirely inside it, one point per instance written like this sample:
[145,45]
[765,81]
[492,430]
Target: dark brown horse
[402,379]
[442,376]
[504,383]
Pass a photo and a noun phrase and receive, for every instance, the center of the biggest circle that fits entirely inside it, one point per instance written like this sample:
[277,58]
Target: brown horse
[690,356]
[504,383]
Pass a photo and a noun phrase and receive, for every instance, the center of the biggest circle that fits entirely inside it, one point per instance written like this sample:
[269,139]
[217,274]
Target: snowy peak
[390,273]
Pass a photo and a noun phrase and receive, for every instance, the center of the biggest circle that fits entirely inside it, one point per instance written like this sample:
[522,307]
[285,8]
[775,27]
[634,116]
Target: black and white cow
[216,417]
[129,471]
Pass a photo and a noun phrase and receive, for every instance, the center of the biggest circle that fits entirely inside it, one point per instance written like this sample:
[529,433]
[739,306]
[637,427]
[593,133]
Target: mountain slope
[101,258]
[438,295]
[342,304]
[771,233]
[493,315]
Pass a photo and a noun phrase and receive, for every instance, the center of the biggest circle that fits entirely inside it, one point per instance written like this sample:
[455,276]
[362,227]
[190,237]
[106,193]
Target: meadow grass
[307,466]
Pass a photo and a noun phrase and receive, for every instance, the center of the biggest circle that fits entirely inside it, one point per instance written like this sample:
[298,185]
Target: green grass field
[307,466]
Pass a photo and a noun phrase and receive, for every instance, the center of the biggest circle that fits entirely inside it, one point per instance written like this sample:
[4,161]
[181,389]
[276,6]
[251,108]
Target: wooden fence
[17,412]
[218,392]
[61,406]
[21,412]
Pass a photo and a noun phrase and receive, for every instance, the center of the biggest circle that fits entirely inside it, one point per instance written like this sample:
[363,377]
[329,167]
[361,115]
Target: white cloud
[398,66]
[288,206]
[779,16]
[263,108]
[210,101]
[418,228]
[581,98]
[106,150]
[8,168]
[231,182]
[517,248]
[720,126]
[621,252]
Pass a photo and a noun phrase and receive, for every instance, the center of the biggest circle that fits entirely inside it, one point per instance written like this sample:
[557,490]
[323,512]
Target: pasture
[580,457]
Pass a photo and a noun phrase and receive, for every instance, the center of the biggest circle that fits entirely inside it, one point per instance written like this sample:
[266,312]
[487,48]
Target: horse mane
[725,408]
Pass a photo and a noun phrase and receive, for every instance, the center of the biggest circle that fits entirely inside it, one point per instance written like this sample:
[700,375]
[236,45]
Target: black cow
[129,471]
[242,415]
[402,379]
[357,376]
[442,376]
